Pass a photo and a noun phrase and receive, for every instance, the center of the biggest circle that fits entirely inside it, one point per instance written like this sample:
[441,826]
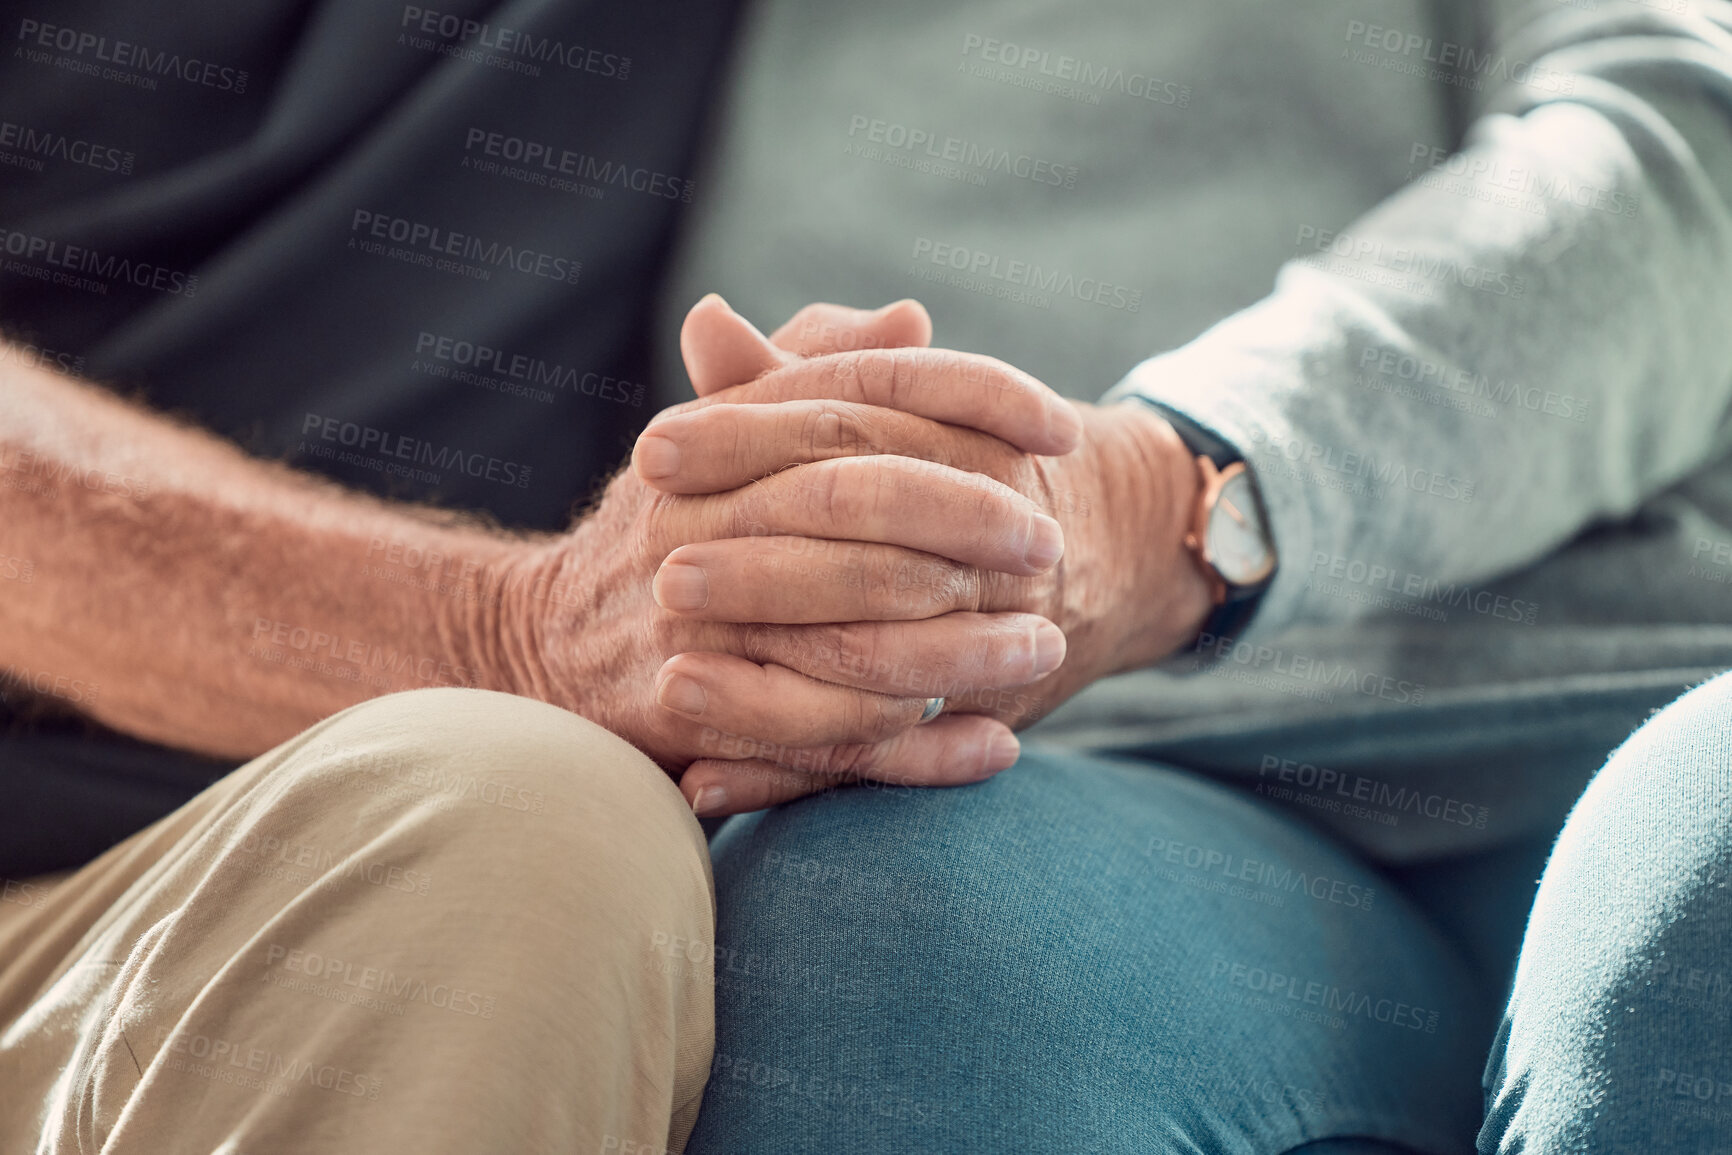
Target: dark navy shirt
[410,247]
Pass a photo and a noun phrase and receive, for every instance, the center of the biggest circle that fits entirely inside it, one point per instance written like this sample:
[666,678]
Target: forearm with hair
[162,582]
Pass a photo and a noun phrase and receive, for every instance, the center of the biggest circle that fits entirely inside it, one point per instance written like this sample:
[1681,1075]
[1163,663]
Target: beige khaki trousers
[440,921]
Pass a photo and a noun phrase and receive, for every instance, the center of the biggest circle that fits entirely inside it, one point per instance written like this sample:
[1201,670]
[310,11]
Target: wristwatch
[1229,530]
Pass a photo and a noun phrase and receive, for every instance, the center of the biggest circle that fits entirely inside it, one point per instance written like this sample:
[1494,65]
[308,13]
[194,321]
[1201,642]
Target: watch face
[1237,541]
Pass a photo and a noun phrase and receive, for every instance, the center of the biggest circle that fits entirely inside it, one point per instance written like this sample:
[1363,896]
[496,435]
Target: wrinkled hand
[845,544]
[1125,593]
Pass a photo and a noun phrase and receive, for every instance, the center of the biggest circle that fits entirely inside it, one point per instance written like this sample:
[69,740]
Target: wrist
[1155,487]
[484,608]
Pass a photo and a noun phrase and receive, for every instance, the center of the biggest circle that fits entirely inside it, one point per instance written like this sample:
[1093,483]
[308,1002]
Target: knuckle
[652,531]
[1009,466]
[903,376]
[972,451]
[831,430]
[860,652]
[745,513]
[838,651]
[815,431]
[844,375]
[997,514]
[880,370]
[1002,591]
[848,433]
[742,446]
[837,494]
[882,716]
[1039,484]
[850,760]
[818,652]
[882,587]
[758,641]
[862,716]
[959,587]
[912,585]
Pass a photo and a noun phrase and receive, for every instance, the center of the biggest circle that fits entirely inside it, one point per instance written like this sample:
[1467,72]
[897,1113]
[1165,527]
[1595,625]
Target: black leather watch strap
[1199,439]
[1233,615]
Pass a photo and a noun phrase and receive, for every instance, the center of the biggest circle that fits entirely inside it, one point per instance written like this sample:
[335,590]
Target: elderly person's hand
[1125,592]
[738,656]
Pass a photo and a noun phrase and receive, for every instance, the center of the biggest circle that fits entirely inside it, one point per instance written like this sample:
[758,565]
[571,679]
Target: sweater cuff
[1234,407]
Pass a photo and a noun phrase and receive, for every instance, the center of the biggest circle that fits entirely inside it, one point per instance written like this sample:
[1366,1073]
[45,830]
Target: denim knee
[1018,965]
[1618,1032]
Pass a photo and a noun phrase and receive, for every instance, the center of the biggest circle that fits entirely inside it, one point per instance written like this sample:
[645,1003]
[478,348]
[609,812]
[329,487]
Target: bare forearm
[168,585]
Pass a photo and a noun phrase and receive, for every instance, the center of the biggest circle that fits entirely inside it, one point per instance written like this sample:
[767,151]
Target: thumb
[823,328]
[722,348]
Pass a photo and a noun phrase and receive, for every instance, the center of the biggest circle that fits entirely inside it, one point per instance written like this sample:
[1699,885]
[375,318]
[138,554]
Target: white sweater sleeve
[1534,335]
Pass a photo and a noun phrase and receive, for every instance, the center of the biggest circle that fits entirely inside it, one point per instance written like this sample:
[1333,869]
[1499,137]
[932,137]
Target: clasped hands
[847,523]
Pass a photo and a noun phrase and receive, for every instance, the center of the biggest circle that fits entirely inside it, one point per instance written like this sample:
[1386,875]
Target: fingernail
[657,456]
[682,695]
[1049,649]
[719,299]
[681,587]
[1045,541]
[708,800]
[1002,753]
[1063,424]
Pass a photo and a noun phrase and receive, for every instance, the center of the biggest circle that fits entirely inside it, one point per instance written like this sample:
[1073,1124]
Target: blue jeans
[1088,954]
